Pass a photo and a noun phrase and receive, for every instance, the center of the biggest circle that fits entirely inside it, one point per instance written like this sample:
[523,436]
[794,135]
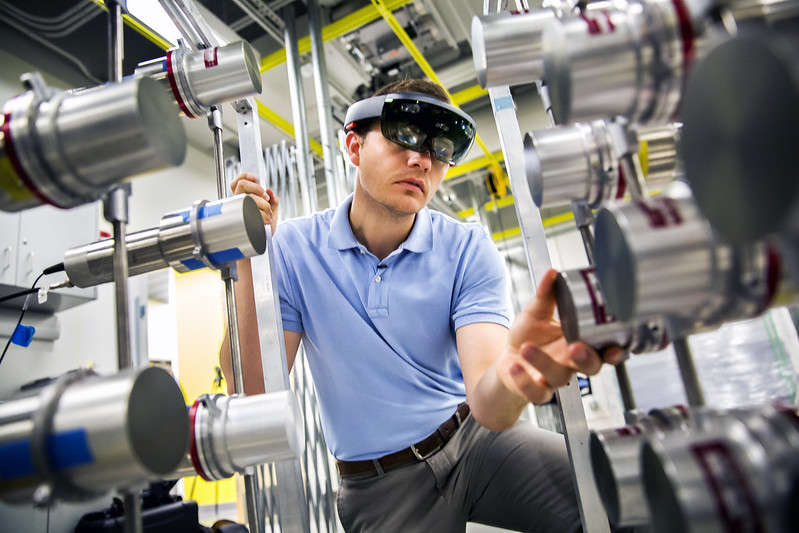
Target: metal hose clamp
[199,252]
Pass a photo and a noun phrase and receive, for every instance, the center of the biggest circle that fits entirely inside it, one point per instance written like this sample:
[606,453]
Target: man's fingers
[543,305]
[584,358]
[242,178]
[613,355]
[531,384]
[266,209]
[272,198]
[554,374]
[245,186]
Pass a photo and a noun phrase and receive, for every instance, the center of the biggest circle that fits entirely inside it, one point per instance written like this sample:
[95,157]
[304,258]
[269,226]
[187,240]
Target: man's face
[396,178]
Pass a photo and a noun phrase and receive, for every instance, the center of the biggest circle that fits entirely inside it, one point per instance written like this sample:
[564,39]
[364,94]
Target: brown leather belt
[417,452]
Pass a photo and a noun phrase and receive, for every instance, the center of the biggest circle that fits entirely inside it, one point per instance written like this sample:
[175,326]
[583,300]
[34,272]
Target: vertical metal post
[291,492]
[229,275]
[690,380]
[115,207]
[115,210]
[115,39]
[304,163]
[572,414]
[584,218]
[625,389]
[329,148]
[569,400]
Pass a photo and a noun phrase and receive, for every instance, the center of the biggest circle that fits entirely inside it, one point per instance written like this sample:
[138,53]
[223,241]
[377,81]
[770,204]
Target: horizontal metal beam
[343,26]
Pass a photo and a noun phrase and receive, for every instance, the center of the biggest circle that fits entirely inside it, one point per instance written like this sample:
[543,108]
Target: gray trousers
[519,479]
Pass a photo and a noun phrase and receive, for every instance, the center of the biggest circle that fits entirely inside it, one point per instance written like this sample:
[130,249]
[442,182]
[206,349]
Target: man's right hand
[266,200]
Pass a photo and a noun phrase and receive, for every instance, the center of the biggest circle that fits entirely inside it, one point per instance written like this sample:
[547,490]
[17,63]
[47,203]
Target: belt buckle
[424,457]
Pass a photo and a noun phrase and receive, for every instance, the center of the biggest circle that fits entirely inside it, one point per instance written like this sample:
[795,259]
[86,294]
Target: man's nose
[423,160]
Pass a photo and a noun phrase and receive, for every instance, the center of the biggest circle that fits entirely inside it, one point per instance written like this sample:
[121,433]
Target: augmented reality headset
[418,122]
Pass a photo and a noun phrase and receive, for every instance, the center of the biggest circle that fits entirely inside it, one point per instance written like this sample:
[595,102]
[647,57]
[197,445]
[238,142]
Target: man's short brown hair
[412,85]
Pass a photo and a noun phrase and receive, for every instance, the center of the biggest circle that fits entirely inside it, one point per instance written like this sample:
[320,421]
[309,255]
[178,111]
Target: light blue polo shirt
[380,335]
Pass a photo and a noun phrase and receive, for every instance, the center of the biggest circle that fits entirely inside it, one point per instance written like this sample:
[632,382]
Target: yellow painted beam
[502,235]
[343,26]
[474,164]
[558,219]
[385,11]
[551,221]
[502,202]
[467,95]
[284,125]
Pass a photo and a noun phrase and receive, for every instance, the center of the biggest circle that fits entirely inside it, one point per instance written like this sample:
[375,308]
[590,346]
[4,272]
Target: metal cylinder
[776,428]
[740,112]
[616,462]
[625,59]
[659,154]
[658,257]
[585,317]
[661,258]
[759,282]
[506,47]
[204,78]
[583,313]
[778,15]
[731,472]
[207,234]
[569,163]
[67,149]
[85,434]
[231,433]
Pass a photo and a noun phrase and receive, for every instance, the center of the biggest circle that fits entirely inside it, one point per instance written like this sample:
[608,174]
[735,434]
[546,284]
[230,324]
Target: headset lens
[423,126]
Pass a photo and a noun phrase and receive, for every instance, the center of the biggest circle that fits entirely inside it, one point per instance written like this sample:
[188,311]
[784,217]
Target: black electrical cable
[18,294]
[22,314]
[58,267]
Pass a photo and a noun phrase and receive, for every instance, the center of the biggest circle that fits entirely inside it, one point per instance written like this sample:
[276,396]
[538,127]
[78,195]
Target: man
[403,317]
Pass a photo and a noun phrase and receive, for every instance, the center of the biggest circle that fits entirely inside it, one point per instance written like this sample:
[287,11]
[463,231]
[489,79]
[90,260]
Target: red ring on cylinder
[622,187]
[773,275]
[5,127]
[170,74]
[687,35]
[195,458]
[686,32]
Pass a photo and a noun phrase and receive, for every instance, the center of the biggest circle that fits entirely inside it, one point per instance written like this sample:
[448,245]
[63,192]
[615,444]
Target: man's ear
[353,141]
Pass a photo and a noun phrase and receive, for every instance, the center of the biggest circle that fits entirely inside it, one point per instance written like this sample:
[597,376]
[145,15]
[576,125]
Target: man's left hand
[538,359]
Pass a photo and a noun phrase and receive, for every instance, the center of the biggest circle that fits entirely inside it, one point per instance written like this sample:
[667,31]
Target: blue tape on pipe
[503,102]
[69,449]
[225,256]
[192,264]
[207,210]
[66,450]
[217,258]
[15,460]
[23,335]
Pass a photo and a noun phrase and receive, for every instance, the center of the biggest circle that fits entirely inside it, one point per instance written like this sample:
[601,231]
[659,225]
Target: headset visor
[420,123]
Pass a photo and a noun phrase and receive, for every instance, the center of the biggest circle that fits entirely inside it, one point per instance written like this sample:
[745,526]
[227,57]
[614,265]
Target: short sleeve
[480,290]
[286,281]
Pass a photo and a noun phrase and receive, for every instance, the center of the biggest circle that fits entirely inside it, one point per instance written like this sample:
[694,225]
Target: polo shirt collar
[341,236]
